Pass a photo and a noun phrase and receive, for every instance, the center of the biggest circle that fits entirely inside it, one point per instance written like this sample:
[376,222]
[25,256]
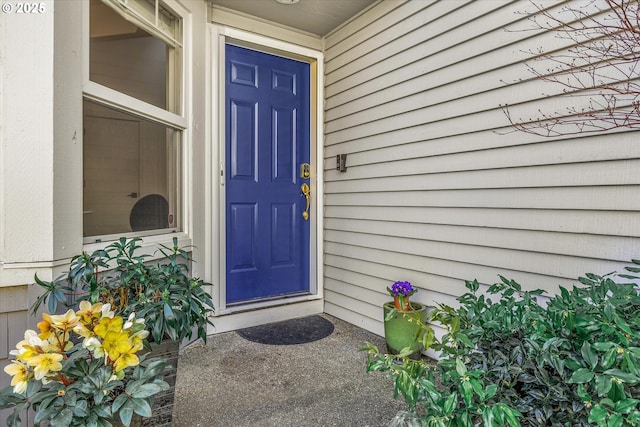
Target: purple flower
[401,289]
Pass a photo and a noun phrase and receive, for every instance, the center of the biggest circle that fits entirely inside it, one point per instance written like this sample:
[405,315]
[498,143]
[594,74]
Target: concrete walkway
[232,382]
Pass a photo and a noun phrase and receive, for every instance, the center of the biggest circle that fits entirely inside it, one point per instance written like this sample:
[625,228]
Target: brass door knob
[306,192]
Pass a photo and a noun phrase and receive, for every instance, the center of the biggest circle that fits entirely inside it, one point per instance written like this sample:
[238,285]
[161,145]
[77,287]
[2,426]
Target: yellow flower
[28,347]
[137,339]
[125,360]
[88,312]
[106,311]
[45,363]
[86,306]
[30,338]
[107,325]
[45,326]
[56,341]
[20,374]
[82,330]
[116,343]
[65,321]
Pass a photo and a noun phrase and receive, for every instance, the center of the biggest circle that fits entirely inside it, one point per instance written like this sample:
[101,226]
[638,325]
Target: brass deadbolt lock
[305,170]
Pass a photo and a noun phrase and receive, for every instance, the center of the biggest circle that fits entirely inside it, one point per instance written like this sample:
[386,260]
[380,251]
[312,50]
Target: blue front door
[267,142]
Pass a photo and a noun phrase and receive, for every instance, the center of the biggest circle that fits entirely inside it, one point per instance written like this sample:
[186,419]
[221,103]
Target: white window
[133,120]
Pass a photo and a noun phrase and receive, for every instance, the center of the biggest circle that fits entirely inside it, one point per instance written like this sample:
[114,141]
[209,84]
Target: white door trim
[219,36]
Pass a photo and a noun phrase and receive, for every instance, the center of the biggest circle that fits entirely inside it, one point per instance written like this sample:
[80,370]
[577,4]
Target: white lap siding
[14,319]
[438,187]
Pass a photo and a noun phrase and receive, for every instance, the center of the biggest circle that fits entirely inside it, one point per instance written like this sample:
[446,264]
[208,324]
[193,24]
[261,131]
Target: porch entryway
[235,382]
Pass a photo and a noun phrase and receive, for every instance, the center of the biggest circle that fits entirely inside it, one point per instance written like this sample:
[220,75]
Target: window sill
[150,244]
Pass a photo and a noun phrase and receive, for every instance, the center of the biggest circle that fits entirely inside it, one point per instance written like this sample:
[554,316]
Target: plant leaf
[624,376]
[451,403]
[589,355]
[146,390]
[141,407]
[126,413]
[615,420]
[581,376]
[625,406]
[598,414]
[603,384]
[63,418]
[487,416]
[467,392]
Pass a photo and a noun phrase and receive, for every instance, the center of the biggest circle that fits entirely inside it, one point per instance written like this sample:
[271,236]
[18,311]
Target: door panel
[282,235]
[284,145]
[267,138]
[243,220]
[244,142]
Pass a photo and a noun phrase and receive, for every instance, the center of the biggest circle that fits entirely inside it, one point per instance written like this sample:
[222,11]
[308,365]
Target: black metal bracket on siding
[341,162]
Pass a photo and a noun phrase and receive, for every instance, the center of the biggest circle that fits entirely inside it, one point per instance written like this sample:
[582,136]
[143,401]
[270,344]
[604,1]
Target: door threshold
[270,303]
[245,317]
[282,298]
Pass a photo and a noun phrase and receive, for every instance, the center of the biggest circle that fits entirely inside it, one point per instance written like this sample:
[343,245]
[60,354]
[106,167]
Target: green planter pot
[399,331]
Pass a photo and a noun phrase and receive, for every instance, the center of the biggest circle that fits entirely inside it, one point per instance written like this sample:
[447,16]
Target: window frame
[111,98]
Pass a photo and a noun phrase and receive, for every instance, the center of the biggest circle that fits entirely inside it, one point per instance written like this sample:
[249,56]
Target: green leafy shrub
[163,293]
[123,298]
[82,369]
[574,361]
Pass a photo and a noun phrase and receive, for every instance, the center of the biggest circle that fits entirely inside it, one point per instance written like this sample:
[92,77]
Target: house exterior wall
[438,187]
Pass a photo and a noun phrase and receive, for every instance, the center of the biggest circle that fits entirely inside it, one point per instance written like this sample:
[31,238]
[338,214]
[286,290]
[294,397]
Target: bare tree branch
[599,70]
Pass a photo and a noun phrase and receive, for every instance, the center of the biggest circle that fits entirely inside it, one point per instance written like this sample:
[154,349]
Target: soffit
[313,16]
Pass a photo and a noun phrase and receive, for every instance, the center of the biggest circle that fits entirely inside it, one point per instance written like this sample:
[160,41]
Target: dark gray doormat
[294,331]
